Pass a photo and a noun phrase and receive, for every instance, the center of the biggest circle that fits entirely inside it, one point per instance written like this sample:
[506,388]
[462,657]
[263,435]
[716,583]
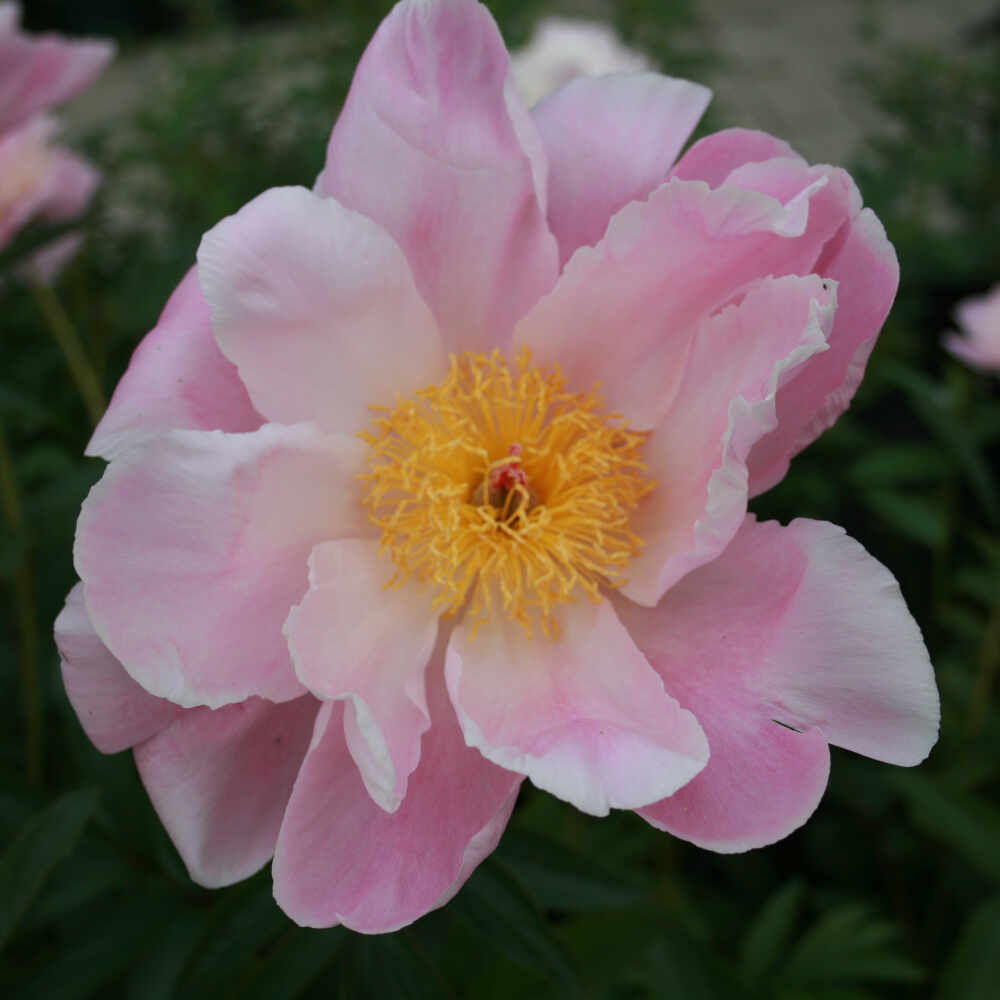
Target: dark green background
[893,887]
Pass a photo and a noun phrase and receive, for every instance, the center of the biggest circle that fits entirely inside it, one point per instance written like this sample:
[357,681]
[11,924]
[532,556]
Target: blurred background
[891,890]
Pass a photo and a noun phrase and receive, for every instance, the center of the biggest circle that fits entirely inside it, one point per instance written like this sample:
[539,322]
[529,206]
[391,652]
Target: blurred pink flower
[344,635]
[40,71]
[40,181]
[562,49]
[979,319]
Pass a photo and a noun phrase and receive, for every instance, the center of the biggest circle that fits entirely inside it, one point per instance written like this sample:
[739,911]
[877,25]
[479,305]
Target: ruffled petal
[791,638]
[355,638]
[177,378]
[611,140]
[220,781]
[342,859]
[697,456]
[316,306]
[713,158]
[583,715]
[863,263]
[624,312]
[194,548]
[434,146]
[114,711]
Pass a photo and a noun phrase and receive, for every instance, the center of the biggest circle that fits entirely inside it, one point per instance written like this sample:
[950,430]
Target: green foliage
[888,892]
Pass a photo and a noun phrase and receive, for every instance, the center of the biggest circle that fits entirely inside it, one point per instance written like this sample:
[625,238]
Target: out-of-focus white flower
[564,48]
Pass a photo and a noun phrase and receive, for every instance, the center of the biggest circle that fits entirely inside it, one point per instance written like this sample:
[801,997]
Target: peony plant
[435,477]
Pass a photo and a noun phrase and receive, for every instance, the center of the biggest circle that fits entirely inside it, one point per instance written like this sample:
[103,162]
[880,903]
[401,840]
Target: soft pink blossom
[562,48]
[39,180]
[979,320]
[257,609]
[40,71]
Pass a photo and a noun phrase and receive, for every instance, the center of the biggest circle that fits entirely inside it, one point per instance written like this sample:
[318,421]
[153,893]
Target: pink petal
[316,306]
[713,158]
[979,318]
[71,184]
[355,638]
[433,145]
[583,716]
[193,550]
[611,140]
[41,70]
[177,378]
[342,859]
[726,402]
[794,627]
[976,353]
[863,263]
[45,265]
[114,711]
[220,781]
[624,312]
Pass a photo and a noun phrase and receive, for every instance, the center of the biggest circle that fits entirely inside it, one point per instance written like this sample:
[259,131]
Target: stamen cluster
[504,492]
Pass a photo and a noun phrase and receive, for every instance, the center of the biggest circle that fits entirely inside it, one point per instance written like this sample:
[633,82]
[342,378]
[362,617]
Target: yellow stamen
[502,490]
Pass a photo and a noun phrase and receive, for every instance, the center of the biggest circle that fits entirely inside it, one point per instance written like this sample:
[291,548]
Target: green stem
[65,335]
[27,619]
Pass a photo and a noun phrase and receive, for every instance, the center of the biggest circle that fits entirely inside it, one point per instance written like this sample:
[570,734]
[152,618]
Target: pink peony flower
[39,71]
[371,546]
[562,49]
[39,180]
[979,319]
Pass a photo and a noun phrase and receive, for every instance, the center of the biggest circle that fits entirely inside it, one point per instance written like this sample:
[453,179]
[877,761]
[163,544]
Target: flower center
[502,491]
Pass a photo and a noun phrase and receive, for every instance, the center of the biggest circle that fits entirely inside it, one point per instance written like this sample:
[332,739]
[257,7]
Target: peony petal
[726,402]
[342,859]
[115,712]
[583,715]
[790,627]
[193,550]
[624,312]
[220,781]
[713,158]
[354,637]
[433,145]
[979,353]
[42,70]
[177,378]
[863,262]
[611,140]
[71,183]
[316,307]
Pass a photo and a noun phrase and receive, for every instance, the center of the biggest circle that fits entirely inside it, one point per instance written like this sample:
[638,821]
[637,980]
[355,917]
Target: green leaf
[158,976]
[915,517]
[973,968]
[847,945]
[246,918]
[391,966]
[295,964]
[769,935]
[895,464]
[494,905]
[558,879]
[42,843]
[966,823]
